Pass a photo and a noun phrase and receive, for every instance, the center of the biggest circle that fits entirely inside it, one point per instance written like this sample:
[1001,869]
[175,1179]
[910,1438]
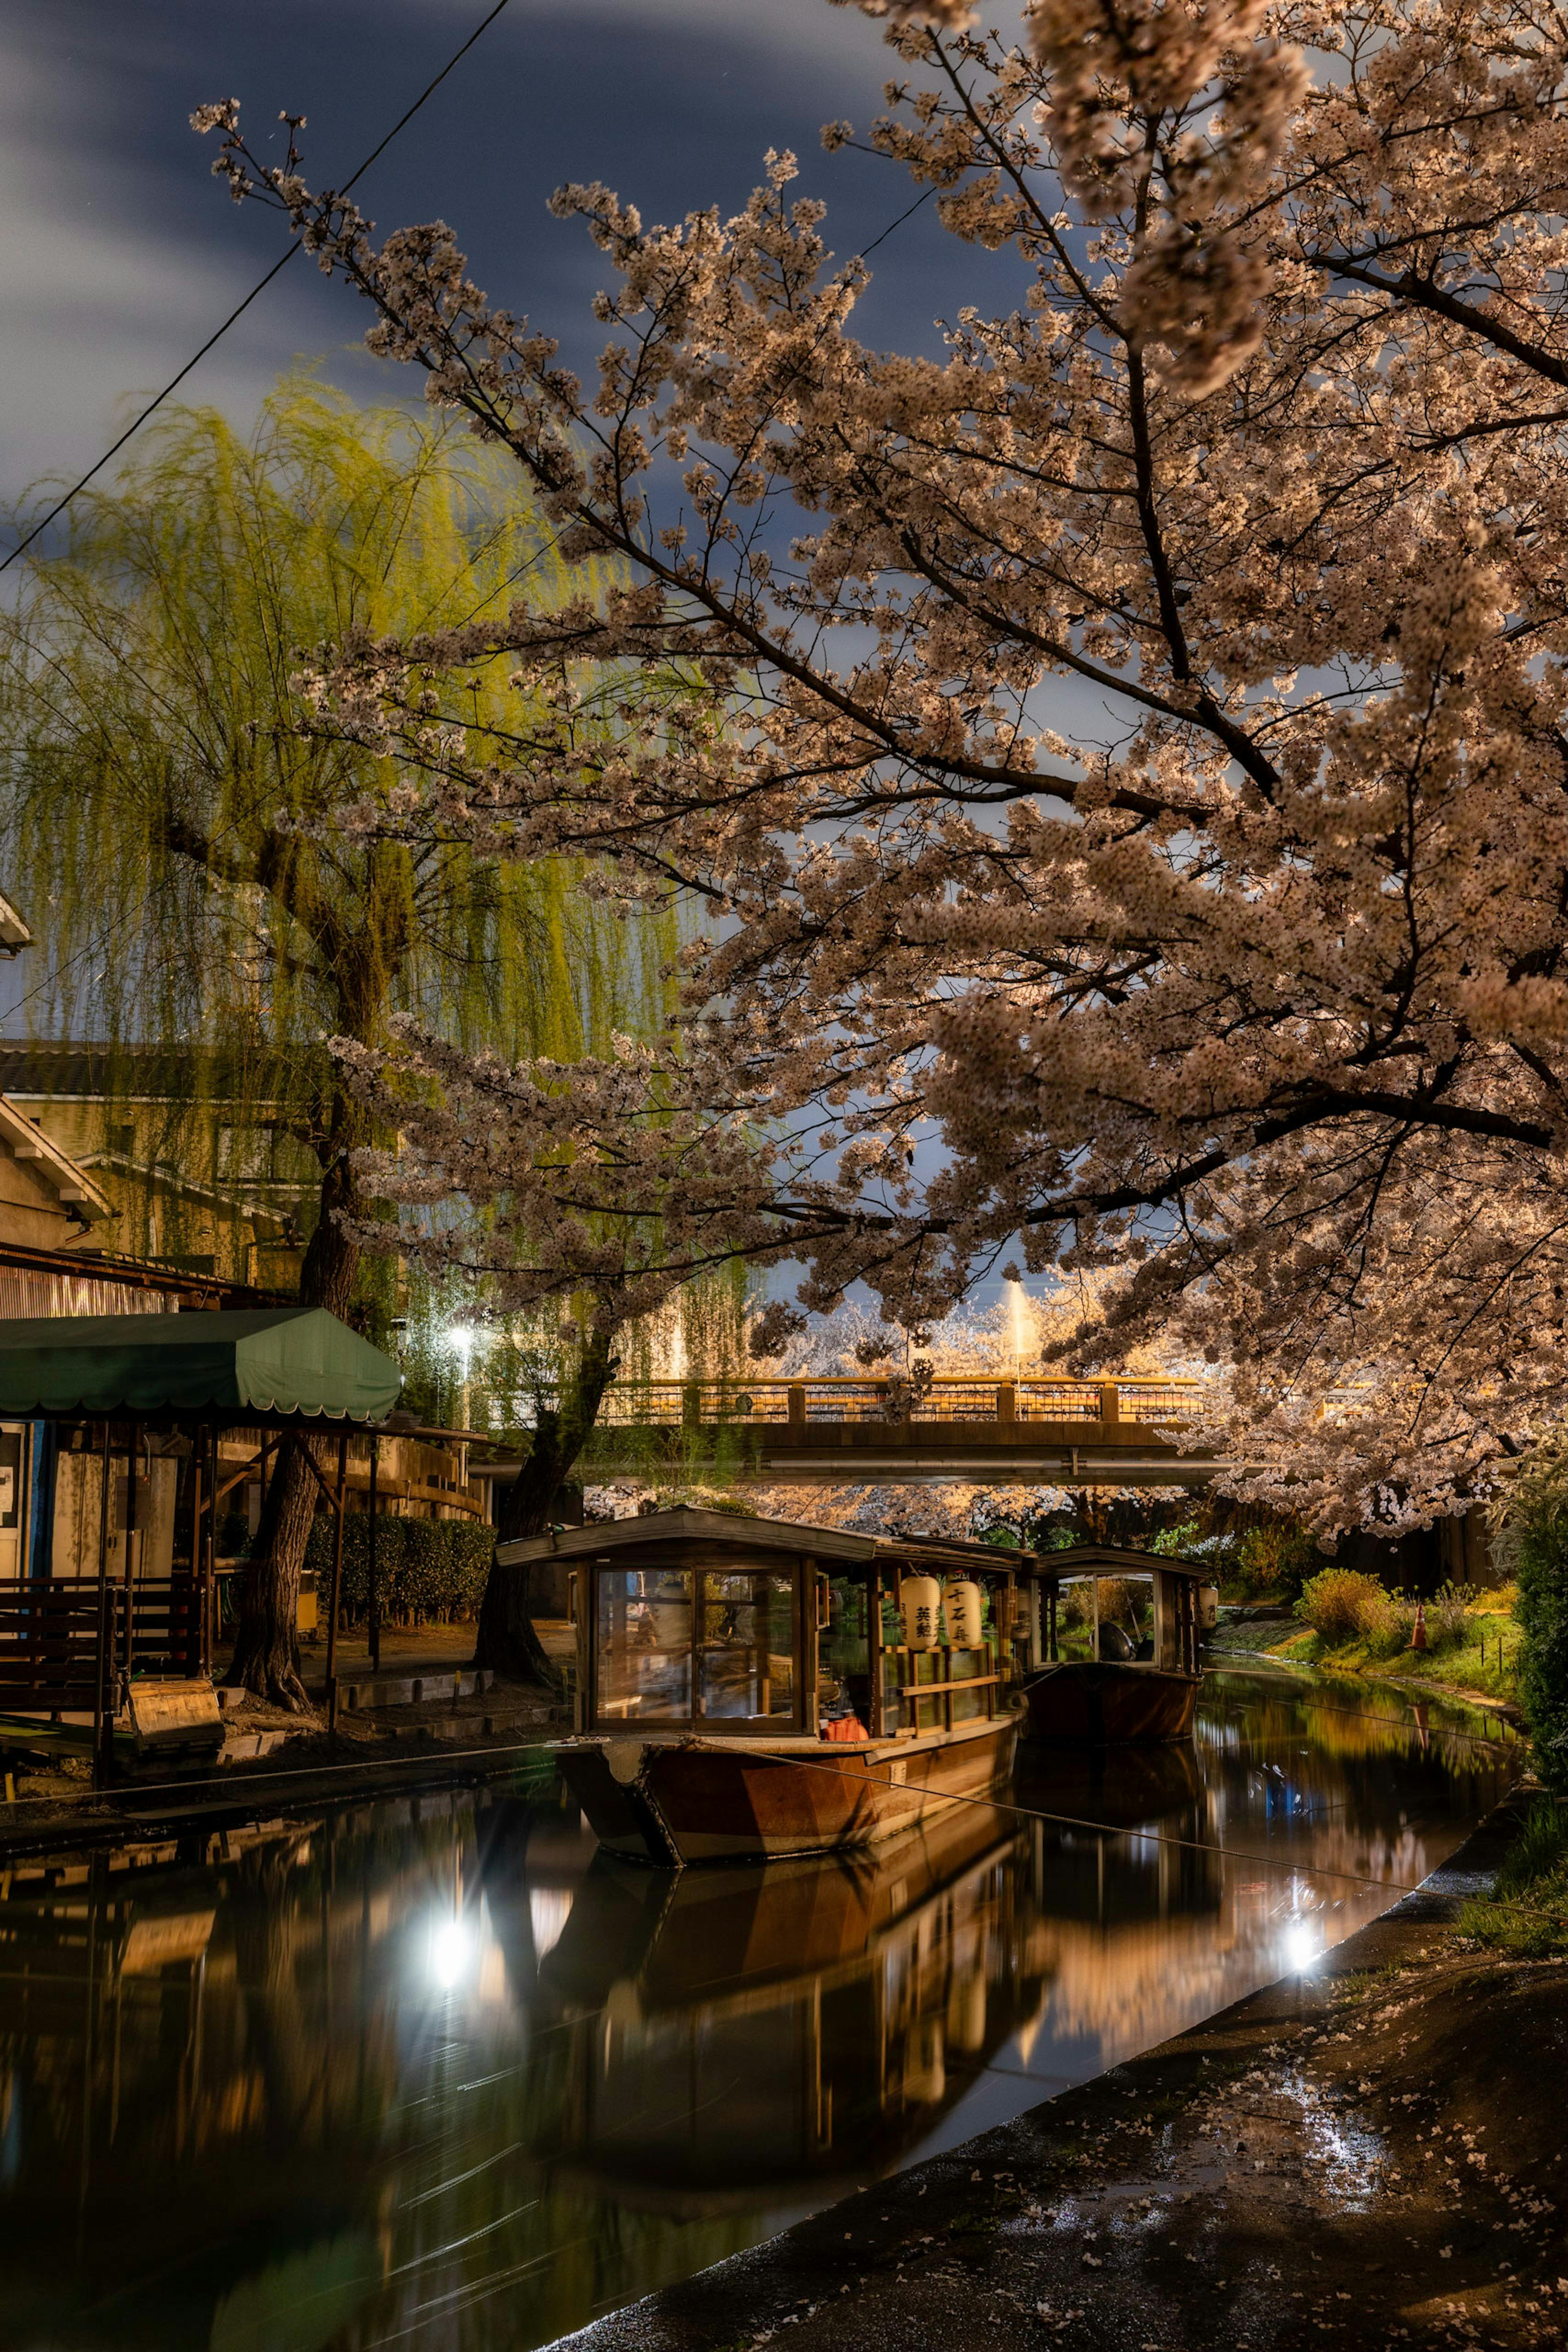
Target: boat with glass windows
[748,1688]
[1141,1676]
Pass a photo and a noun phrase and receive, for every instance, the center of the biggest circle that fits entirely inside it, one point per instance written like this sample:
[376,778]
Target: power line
[239,310]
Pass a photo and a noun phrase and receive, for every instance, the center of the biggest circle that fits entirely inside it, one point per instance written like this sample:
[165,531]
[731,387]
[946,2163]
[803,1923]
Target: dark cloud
[121,253]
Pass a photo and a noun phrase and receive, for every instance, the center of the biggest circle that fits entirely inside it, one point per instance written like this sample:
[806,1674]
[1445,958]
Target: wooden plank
[965,1682]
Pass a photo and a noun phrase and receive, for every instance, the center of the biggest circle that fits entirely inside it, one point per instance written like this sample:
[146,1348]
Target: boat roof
[1117,1560]
[845,1546]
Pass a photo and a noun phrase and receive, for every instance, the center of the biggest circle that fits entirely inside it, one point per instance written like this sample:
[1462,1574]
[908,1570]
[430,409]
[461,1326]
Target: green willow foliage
[193,865]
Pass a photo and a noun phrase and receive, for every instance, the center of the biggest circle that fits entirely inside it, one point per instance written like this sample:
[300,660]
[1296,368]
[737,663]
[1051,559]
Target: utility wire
[239,310]
[496,1755]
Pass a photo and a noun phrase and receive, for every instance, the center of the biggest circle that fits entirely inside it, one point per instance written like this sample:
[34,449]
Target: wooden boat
[738,1698]
[674,1801]
[1093,1702]
[1108,1699]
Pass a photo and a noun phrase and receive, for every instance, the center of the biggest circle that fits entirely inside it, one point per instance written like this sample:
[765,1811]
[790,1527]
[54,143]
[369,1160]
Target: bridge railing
[867,1398]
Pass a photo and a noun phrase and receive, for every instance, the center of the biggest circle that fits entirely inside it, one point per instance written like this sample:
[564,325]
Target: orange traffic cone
[1419,1637]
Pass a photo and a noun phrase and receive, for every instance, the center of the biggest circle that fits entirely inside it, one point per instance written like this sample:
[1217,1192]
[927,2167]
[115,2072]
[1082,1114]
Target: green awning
[288,1361]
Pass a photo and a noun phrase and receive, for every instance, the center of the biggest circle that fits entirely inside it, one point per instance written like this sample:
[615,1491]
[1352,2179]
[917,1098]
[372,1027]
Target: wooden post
[211,1571]
[103,1708]
[898,1649]
[810,1723]
[873,1650]
[195,1638]
[130,1542]
[337,1594]
[1094,1636]
[585,1595]
[375,1596]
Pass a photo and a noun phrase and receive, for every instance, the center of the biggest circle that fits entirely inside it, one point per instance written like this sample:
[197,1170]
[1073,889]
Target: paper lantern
[922,1612]
[965,1604]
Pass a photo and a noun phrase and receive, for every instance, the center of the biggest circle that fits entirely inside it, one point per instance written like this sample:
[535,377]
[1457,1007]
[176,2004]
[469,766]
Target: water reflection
[434,2073]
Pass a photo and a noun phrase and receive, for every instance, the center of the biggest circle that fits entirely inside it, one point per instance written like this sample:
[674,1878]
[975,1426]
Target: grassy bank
[1478,1659]
[1526,1911]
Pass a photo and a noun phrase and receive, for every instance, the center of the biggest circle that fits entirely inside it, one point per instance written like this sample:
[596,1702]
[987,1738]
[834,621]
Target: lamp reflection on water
[428,2066]
[453,1946]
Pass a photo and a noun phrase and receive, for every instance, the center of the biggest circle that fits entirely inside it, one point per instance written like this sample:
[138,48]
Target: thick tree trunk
[507,1641]
[267,1641]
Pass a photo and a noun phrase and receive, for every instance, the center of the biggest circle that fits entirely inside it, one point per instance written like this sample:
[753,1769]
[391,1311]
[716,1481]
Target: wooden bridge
[987,1431]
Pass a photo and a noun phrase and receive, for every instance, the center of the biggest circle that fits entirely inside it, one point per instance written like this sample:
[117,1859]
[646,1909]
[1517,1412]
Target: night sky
[121,253]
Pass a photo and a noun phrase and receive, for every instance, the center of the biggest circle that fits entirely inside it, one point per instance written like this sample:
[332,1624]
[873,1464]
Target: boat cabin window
[694,1646]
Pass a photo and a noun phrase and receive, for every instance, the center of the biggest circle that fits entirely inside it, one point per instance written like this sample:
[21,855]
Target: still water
[427,2072]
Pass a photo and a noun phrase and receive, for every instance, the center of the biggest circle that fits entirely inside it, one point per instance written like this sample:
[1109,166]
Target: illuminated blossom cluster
[1246,997]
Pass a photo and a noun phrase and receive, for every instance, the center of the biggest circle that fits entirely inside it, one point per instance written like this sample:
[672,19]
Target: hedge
[426,1568]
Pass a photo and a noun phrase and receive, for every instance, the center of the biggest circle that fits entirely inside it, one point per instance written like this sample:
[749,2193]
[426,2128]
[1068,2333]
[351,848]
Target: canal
[427,2072]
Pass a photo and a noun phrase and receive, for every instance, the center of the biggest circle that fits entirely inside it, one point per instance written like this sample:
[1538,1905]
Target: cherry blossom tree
[1247,996]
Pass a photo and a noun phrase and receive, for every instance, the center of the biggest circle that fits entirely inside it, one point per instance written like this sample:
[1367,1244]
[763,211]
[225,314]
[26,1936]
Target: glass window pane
[645,1635]
[745,1656]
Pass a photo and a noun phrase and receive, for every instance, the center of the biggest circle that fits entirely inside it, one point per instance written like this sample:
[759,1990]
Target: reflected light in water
[453,1947]
[550,1908]
[479,2055]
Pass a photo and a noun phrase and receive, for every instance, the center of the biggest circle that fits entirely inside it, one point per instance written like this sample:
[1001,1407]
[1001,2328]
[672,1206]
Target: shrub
[1449,1615]
[1341,1604]
[1531,1545]
[1277,1556]
[425,1568]
[1387,1621]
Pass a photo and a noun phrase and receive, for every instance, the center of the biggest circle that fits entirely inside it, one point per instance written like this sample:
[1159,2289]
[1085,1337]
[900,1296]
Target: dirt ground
[1370,2156]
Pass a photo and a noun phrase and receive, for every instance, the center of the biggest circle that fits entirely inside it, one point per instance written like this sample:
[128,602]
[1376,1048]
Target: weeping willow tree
[233,892]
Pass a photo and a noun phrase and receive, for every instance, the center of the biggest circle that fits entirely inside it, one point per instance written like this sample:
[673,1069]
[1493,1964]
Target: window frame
[724,1726]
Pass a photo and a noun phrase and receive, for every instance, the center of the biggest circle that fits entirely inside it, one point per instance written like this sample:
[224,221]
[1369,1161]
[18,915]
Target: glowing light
[461,1339]
[452,1949]
[1019,1325]
[1303,1949]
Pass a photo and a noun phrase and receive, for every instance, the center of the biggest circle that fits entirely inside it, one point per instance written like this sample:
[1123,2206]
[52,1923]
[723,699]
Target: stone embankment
[1371,2155]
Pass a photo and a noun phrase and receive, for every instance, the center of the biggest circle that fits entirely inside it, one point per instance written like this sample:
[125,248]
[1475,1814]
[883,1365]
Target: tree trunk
[266,1641]
[507,1641]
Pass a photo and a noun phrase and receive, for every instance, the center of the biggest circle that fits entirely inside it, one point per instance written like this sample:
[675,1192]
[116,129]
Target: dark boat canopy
[286,1363]
[1116,1559]
[843,1548]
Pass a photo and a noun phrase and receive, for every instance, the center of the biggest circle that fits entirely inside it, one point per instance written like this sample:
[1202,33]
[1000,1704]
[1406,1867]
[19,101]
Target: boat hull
[674,1802]
[1090,1703]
